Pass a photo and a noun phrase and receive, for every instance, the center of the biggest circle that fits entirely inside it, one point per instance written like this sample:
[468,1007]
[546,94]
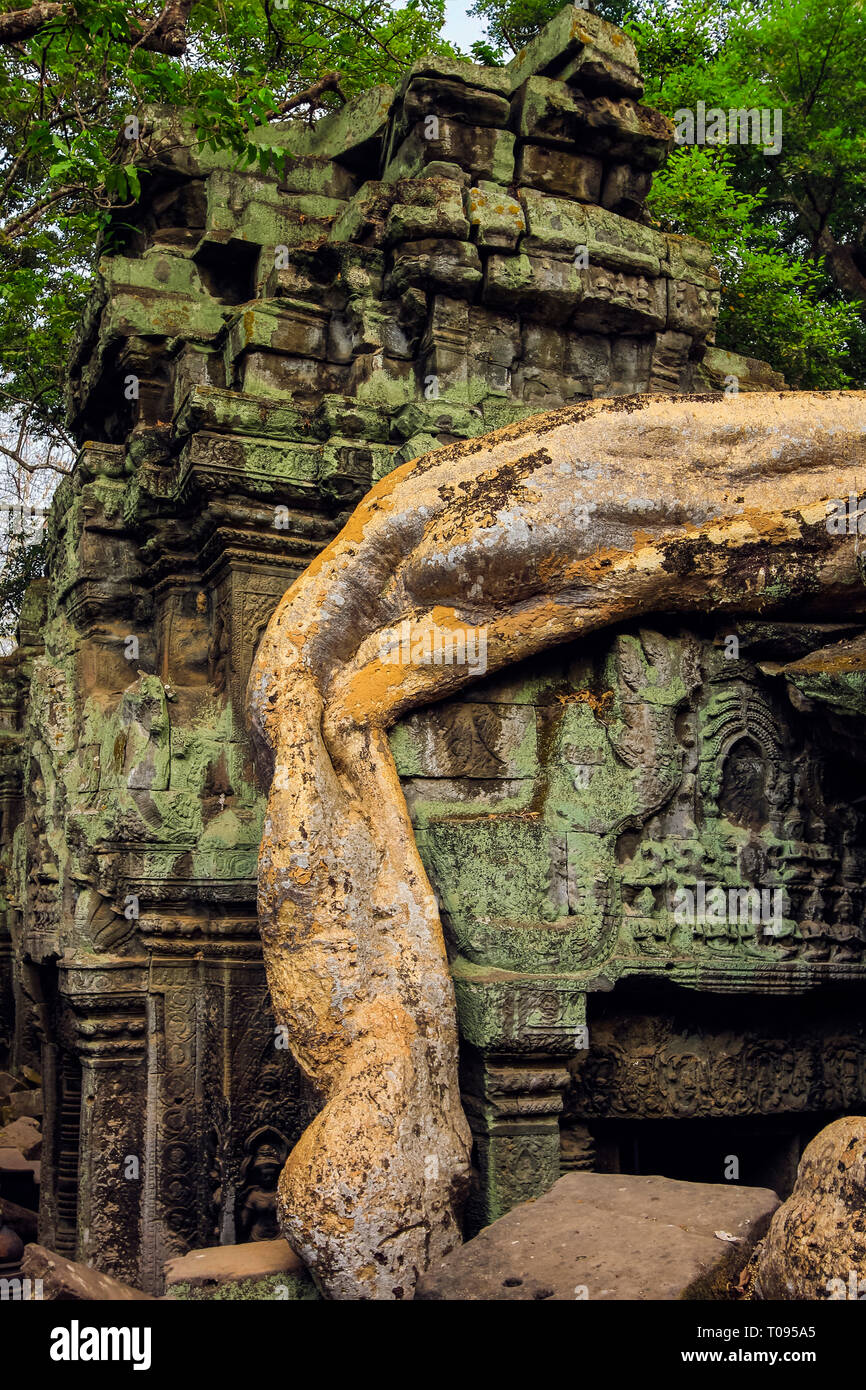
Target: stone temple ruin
[431,265]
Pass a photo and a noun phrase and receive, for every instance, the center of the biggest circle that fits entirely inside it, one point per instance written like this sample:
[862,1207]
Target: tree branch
[329,83]
[165,34]
[19,25]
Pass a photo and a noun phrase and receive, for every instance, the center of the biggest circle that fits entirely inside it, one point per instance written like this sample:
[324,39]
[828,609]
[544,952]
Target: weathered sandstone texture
[602,1236]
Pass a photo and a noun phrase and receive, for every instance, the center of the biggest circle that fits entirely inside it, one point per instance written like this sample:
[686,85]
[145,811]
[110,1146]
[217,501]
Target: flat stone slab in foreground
[610,1236]
[262,1269]
[227,1264]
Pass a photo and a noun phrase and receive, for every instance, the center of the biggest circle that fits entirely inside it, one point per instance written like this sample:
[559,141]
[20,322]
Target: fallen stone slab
[262,1269]
[225,1264]
[23,1135]
[610,1236]
[816,1245]
[66,1281]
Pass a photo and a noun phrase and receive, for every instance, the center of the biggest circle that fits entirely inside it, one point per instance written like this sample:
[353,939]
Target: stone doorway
[751,1151]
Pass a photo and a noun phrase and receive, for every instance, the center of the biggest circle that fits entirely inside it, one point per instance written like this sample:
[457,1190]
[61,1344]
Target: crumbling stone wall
[430,264]
[560,809]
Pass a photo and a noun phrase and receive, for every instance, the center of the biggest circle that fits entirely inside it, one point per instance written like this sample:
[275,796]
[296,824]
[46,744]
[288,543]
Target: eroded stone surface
[603,1236]
[65,1280]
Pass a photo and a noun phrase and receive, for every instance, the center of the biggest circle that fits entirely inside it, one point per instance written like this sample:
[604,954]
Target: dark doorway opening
[752,1151]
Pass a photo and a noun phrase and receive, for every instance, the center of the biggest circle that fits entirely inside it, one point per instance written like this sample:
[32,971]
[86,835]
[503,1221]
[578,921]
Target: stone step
[610,1236]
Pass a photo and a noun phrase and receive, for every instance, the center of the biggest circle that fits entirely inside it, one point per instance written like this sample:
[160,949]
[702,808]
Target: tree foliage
[789,230]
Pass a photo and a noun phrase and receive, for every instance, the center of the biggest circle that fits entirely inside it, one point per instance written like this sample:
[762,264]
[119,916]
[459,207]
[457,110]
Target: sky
[461,28]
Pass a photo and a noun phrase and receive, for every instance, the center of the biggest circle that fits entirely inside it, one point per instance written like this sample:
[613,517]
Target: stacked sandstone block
[434,262]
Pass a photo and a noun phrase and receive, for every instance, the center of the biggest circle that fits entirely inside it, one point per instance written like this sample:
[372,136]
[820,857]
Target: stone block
[587,363]
[443,65]
[353,134]
[537,287]
[69,1282]
[437,416]
[556,170]
[543,347]
[345,416]
[468,741]
[557,287]
[607,63]
[691,260]
[230,412]
[130,314]
[496,218]
[426,208]
[301,331]
[579,46]
[610,1236]
[630,365]
[315,177]
[24,1135]
[345,469]
[563,227]
[507,282]
[385,382]
[25,1103]
[445,267]
[482,152]
[493,337]
[671,369]
[615,302]
[551,113]
[718,368]
[691,308]
[315,279]
[230,1264]
[273,374]
[625,189]
[427,95]
[364,217]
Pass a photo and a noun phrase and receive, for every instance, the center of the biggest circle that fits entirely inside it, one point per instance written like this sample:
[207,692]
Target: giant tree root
[535,535]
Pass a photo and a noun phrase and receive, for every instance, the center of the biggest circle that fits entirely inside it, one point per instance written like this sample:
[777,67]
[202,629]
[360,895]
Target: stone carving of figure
[267,1151]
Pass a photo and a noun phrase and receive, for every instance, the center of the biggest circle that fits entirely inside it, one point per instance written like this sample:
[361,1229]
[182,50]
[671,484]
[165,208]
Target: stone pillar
[518,1033]
[109,1004]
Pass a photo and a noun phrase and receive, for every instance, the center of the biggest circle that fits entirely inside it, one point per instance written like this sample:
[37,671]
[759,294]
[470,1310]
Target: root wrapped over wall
[530,537]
